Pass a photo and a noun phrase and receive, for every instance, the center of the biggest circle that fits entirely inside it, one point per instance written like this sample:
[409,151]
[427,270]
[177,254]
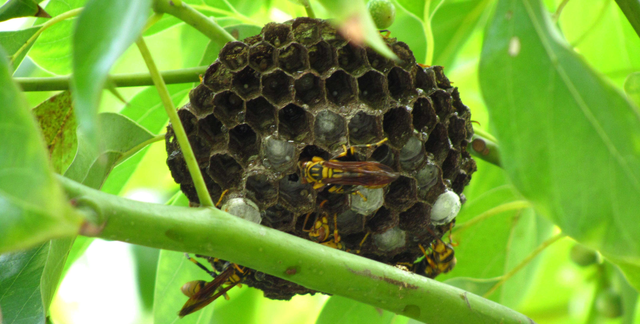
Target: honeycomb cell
[243,208]
[364,129]
[378,61]
[277,87]
[384,155]
[246,83]
[215,192]
[427,176]
[310,90]
[340,88]
[243,143]
[217,77]
[438,143]
[277,34]
[405,55]
[321,57]
[279,154]
[442,104]
[309,151]
[461,180]
[279,218]
[234,55]
[296,196]
[262,57]
[252,40]
[415,217]
[229,107]
[412,154]
[188,121]
[350,222]
[332,36]
[462,110]
[446,208]
[330,129]
[224,170]
[200,147]
[372,88]
[261,190]
[306,30]
[441,79]
[383,220]
[425,79]
[457,130]
[294,123]
[293,58]
[397,126]
[201,101]
[392,239]
[401,194]
[351,58]
[213,131]
[399,83]
[375,199]
[261,115]
[424,117]
[451,165]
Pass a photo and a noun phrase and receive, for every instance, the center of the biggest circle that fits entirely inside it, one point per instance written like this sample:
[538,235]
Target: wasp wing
[207,294]
[367,173]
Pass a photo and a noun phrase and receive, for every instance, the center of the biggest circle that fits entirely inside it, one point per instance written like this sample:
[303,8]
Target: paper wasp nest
[299,90]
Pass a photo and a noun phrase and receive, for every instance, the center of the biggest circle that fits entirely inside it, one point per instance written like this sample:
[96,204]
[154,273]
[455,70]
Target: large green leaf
[409,29]
[632,87]
[121,138]
[58,124]
[13,41]
[105,29]
[21,8]
[344,310]
[569,141]
[33,205]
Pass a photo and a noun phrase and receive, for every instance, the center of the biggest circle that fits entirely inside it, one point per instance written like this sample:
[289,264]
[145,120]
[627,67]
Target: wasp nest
[299,90]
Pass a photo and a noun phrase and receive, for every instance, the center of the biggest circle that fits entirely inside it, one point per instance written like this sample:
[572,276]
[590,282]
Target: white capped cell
[446,208]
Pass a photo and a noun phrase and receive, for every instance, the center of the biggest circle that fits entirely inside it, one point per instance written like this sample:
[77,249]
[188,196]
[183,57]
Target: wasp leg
[336,236]
[362,242]
[224,193]
[202,266]
[360,194]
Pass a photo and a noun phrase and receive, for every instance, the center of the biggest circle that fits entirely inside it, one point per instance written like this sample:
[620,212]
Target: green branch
[195,19]
[209,231]
[120,80]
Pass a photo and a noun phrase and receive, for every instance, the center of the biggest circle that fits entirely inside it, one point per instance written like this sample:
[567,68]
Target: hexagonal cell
[244,143]
[188,121]
[200,98]
[451,165]
[364,128]
[446,208]
[234,55]
[261,115]
[213,131]
[279,218]
[407,60]
[310,90]
[424,117]
[262,57]
[383,220]
[214,189]
[350,222]
[246,83]
[224,170]
[279,154]
[412,154]
[427,176]
[217,77]
[384,155]
[201,148]
[351,58]
[392,239]
[375,199]
[462,110]
[425,79]
[242,208]
[332,36]
[457,130]
[277,34]
[252,40]
[295,196]
[461,181]
[229,107]
[372,88]
[294,123]
[310,151]
[293,58]
[261,190]
[321,57]
[442,104]
[399,83]
[401,194]
[416,217]
[397,126]
[306,30]
[378,61]
[277,87]
[441,79]
[330,129]
[438,143]
[341,88]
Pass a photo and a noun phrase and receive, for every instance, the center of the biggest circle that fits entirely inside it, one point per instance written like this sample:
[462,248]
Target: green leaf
[21,8]
[105,29]
[58,125]
[344,310]
[121,138]
[147,110]
[12,42]
[213,48]
[146,264]
[569,141]
[34,207]
[409,29]
[80,245]
[632,87]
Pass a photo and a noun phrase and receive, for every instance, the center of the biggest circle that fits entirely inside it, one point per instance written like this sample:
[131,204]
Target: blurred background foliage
[113,282]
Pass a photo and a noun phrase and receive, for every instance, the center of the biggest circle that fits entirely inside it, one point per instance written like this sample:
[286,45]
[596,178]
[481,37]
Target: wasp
[344,176]
[202,293]
[441,259]
[321,233]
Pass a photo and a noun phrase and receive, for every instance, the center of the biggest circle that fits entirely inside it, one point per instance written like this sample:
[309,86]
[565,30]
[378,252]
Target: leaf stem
[308,9]
[514,205]
[195,19]
[139,147]
[524,262]
[181,135]
[485,149]
[209,231]
[556,15]
[230,14]
[120,80]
